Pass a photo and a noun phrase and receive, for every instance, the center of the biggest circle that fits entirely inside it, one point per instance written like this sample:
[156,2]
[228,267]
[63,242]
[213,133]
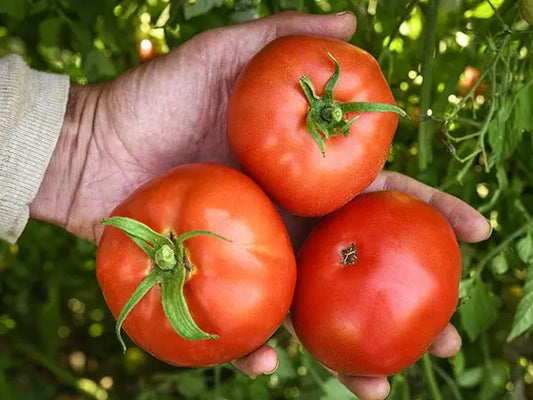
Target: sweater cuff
[32,108]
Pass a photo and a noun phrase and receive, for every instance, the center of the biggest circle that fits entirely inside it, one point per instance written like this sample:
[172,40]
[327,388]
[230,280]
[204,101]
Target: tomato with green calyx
[312,120]
[378,280]
[197,266]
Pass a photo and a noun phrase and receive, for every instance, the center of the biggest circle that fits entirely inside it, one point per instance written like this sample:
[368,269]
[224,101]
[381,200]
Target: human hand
[167,112]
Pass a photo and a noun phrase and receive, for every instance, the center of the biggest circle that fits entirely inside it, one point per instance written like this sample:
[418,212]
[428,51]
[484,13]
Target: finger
[264,360]
[247,39]
[367,388]
[469,225]
[447,344]
[337,26]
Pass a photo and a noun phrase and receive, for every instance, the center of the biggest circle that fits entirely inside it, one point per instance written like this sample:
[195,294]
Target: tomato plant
[526,10]
[56,339]
[312,154]
[378,280]
[197,275]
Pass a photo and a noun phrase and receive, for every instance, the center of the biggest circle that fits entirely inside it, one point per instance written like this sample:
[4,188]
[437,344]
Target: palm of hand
[138,135]
[172,110]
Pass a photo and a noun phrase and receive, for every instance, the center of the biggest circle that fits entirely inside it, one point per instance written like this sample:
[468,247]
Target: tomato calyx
[326,116]
[170,268]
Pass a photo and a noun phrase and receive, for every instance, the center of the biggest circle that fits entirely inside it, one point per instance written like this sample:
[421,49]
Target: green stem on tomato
[170,269]
[326,117]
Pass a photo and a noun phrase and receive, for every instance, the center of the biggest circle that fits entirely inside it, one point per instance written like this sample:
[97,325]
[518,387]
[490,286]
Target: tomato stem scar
[349,255]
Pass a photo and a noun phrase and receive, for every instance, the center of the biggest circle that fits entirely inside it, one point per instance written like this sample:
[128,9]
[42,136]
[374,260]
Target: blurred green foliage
[56,335]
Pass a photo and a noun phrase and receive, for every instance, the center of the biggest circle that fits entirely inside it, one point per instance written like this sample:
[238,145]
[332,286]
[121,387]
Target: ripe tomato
[468,79]
[238,290]
[308,153]
[146,50]
[377,281]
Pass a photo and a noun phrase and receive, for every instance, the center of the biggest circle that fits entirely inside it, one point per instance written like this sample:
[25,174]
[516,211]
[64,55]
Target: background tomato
[239,290]
[267,128]
[378,280]
[469,78]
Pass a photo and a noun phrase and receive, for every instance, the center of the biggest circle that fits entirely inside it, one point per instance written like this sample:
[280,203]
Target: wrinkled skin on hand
[172,110]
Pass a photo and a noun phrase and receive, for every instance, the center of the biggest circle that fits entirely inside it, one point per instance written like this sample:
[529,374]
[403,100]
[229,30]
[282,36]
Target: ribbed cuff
[32,108]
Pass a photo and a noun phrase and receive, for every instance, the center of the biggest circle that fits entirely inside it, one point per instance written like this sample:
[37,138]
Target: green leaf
[524,247]
[191,384]
[49,318]
[82,34]
[470,377]
[39,6]
[50,31]
[291,5]
[480,311]
[88,10]
[285,369]
[199,7]
[334,390]
[465,286]
[523,319]
[499,264]
[522,111]
[14,8]
[399,388]
[6,391]
[258,391]
[97,66]
[495,376]
[484,10]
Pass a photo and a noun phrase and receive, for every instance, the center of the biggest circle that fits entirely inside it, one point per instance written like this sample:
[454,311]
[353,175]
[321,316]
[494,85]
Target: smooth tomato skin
[379,315]
[239,290]
[267,130]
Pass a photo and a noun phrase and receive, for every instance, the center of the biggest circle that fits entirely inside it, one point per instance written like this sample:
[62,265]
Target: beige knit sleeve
[32,107]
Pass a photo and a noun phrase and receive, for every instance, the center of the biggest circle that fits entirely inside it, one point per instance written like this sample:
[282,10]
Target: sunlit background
[463,71]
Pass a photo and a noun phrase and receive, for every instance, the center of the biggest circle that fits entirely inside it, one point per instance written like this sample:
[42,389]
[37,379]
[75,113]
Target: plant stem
[430,377]
[426,129]
[503,245]
[84,385]
[217,371]
[449,380]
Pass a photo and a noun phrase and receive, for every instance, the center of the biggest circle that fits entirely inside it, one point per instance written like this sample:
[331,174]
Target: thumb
[248,38]
[337,26]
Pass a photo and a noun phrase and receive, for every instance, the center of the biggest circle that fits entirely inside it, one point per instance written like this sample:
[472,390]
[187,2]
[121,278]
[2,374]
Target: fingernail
[340,14]
[275,368]
[490,226]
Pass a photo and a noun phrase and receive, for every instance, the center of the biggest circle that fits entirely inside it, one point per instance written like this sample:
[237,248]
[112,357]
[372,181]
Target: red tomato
[377,281]
[468,79]
[146,50]
[269,135]
[239,290]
